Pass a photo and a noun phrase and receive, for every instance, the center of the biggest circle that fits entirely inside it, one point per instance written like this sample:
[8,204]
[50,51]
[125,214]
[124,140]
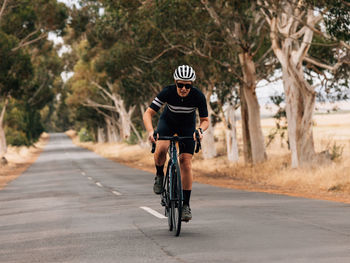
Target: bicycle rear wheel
[176,203]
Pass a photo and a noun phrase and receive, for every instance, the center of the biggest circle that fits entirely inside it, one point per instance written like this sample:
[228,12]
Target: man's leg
[186,170]
[187,179]
[159,160]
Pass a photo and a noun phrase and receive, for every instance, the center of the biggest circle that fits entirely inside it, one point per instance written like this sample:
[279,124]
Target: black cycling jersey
[179,115]
[180,111]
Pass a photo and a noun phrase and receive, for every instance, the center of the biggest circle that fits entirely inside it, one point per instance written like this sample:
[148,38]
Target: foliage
[335,151]
[280,121]
[85,135]
[337,19]
[23,124]
[15,67]
[29,64]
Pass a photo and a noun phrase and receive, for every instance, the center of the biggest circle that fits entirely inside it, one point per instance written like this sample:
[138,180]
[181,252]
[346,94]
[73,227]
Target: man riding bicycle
[179,116]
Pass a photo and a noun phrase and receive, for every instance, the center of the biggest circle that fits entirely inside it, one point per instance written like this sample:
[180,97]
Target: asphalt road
[75,206]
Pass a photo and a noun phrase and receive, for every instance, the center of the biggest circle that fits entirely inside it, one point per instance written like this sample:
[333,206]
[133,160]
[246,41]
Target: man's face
[183,87]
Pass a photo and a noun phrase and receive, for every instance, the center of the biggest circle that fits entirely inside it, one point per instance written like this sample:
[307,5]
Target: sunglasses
[181,85]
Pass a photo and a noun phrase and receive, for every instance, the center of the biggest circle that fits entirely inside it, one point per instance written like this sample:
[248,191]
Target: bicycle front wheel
[176,203]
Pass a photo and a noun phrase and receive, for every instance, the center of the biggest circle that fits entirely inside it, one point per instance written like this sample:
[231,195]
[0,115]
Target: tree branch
[91,103]
[308,35]
[217,21]
[150,61]
[222,63]
[38,91]
[345,44]
[103,90]
[273,36]
[263,56]
[21,45]
[3,9]
[3,110]
[262,9]
[322,65]
[102,113]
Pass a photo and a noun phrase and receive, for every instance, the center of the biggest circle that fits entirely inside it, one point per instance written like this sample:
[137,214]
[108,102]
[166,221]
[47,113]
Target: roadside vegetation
[328,181]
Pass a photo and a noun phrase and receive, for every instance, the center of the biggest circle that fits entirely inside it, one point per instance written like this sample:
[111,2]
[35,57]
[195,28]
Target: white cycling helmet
[185,73]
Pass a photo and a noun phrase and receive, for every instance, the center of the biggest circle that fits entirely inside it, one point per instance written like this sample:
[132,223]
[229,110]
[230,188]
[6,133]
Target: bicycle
[171,197]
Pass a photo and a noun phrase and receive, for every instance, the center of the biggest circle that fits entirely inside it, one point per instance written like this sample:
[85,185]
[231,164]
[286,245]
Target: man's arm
[147,121]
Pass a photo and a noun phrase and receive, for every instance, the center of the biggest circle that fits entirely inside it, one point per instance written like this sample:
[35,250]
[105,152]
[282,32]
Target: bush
[16,138]
[336,152]
[85,135]
[132,140]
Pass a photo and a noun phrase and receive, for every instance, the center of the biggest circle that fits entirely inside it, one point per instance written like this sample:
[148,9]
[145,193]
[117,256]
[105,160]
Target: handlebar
[177,139]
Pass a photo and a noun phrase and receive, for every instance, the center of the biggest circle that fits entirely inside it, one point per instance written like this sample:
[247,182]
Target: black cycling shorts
[165,129]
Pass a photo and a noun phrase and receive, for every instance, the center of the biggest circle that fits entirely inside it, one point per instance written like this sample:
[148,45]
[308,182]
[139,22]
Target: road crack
[162,248]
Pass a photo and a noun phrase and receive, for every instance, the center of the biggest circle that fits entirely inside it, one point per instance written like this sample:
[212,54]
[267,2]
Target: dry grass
[19,159]
[325,180]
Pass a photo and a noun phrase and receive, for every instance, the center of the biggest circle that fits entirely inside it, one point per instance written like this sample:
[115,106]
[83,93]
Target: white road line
[90,178]
[152,212]
[83,173]
[99,184]
[116,193]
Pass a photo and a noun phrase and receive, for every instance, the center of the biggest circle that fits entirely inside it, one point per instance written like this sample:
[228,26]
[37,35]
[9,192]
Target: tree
[292,27]
[15,70]
[24,24]
[242,29]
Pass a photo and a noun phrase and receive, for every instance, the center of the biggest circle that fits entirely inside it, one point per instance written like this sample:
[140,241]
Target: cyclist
[179,116]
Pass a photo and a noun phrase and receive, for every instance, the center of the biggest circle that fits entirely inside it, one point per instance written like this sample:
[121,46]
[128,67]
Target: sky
[69,3]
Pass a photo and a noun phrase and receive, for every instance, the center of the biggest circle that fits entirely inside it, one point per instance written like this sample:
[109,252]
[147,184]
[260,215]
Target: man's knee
[186,160]
[161,148]
[161,151]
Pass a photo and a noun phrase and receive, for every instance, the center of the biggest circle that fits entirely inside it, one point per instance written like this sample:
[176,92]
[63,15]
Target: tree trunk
[208,141]
[101,137]
[125,123]
[3,144]
[112,131]
[256,136]
[231,135]
[291,46]
[247,149]
[300,103]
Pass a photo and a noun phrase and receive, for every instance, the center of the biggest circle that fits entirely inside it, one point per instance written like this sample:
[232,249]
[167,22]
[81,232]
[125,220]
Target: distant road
[75,206]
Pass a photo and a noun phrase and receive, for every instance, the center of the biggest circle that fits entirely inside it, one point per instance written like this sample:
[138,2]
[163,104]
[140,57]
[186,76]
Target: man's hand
[200,132]
[151,137]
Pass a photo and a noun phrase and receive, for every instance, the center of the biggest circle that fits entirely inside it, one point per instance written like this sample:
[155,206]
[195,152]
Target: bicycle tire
[166,194]
[176,204]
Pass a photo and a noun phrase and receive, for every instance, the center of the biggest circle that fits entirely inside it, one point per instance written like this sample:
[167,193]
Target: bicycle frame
[172,151]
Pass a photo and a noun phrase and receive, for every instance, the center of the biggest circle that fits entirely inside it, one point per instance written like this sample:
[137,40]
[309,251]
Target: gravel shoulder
[20,159]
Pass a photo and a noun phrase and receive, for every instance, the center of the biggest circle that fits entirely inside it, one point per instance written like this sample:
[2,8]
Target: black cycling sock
[187,196]
[160,170]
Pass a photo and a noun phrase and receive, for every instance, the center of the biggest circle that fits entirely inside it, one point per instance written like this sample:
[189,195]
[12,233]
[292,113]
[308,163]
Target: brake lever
[153,144]
[198,142]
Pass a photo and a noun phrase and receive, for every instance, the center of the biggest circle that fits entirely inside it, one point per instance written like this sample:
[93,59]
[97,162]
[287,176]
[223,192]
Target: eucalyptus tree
[244,33]
[295,26]
[107,67]
[15,71]
[24,24]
